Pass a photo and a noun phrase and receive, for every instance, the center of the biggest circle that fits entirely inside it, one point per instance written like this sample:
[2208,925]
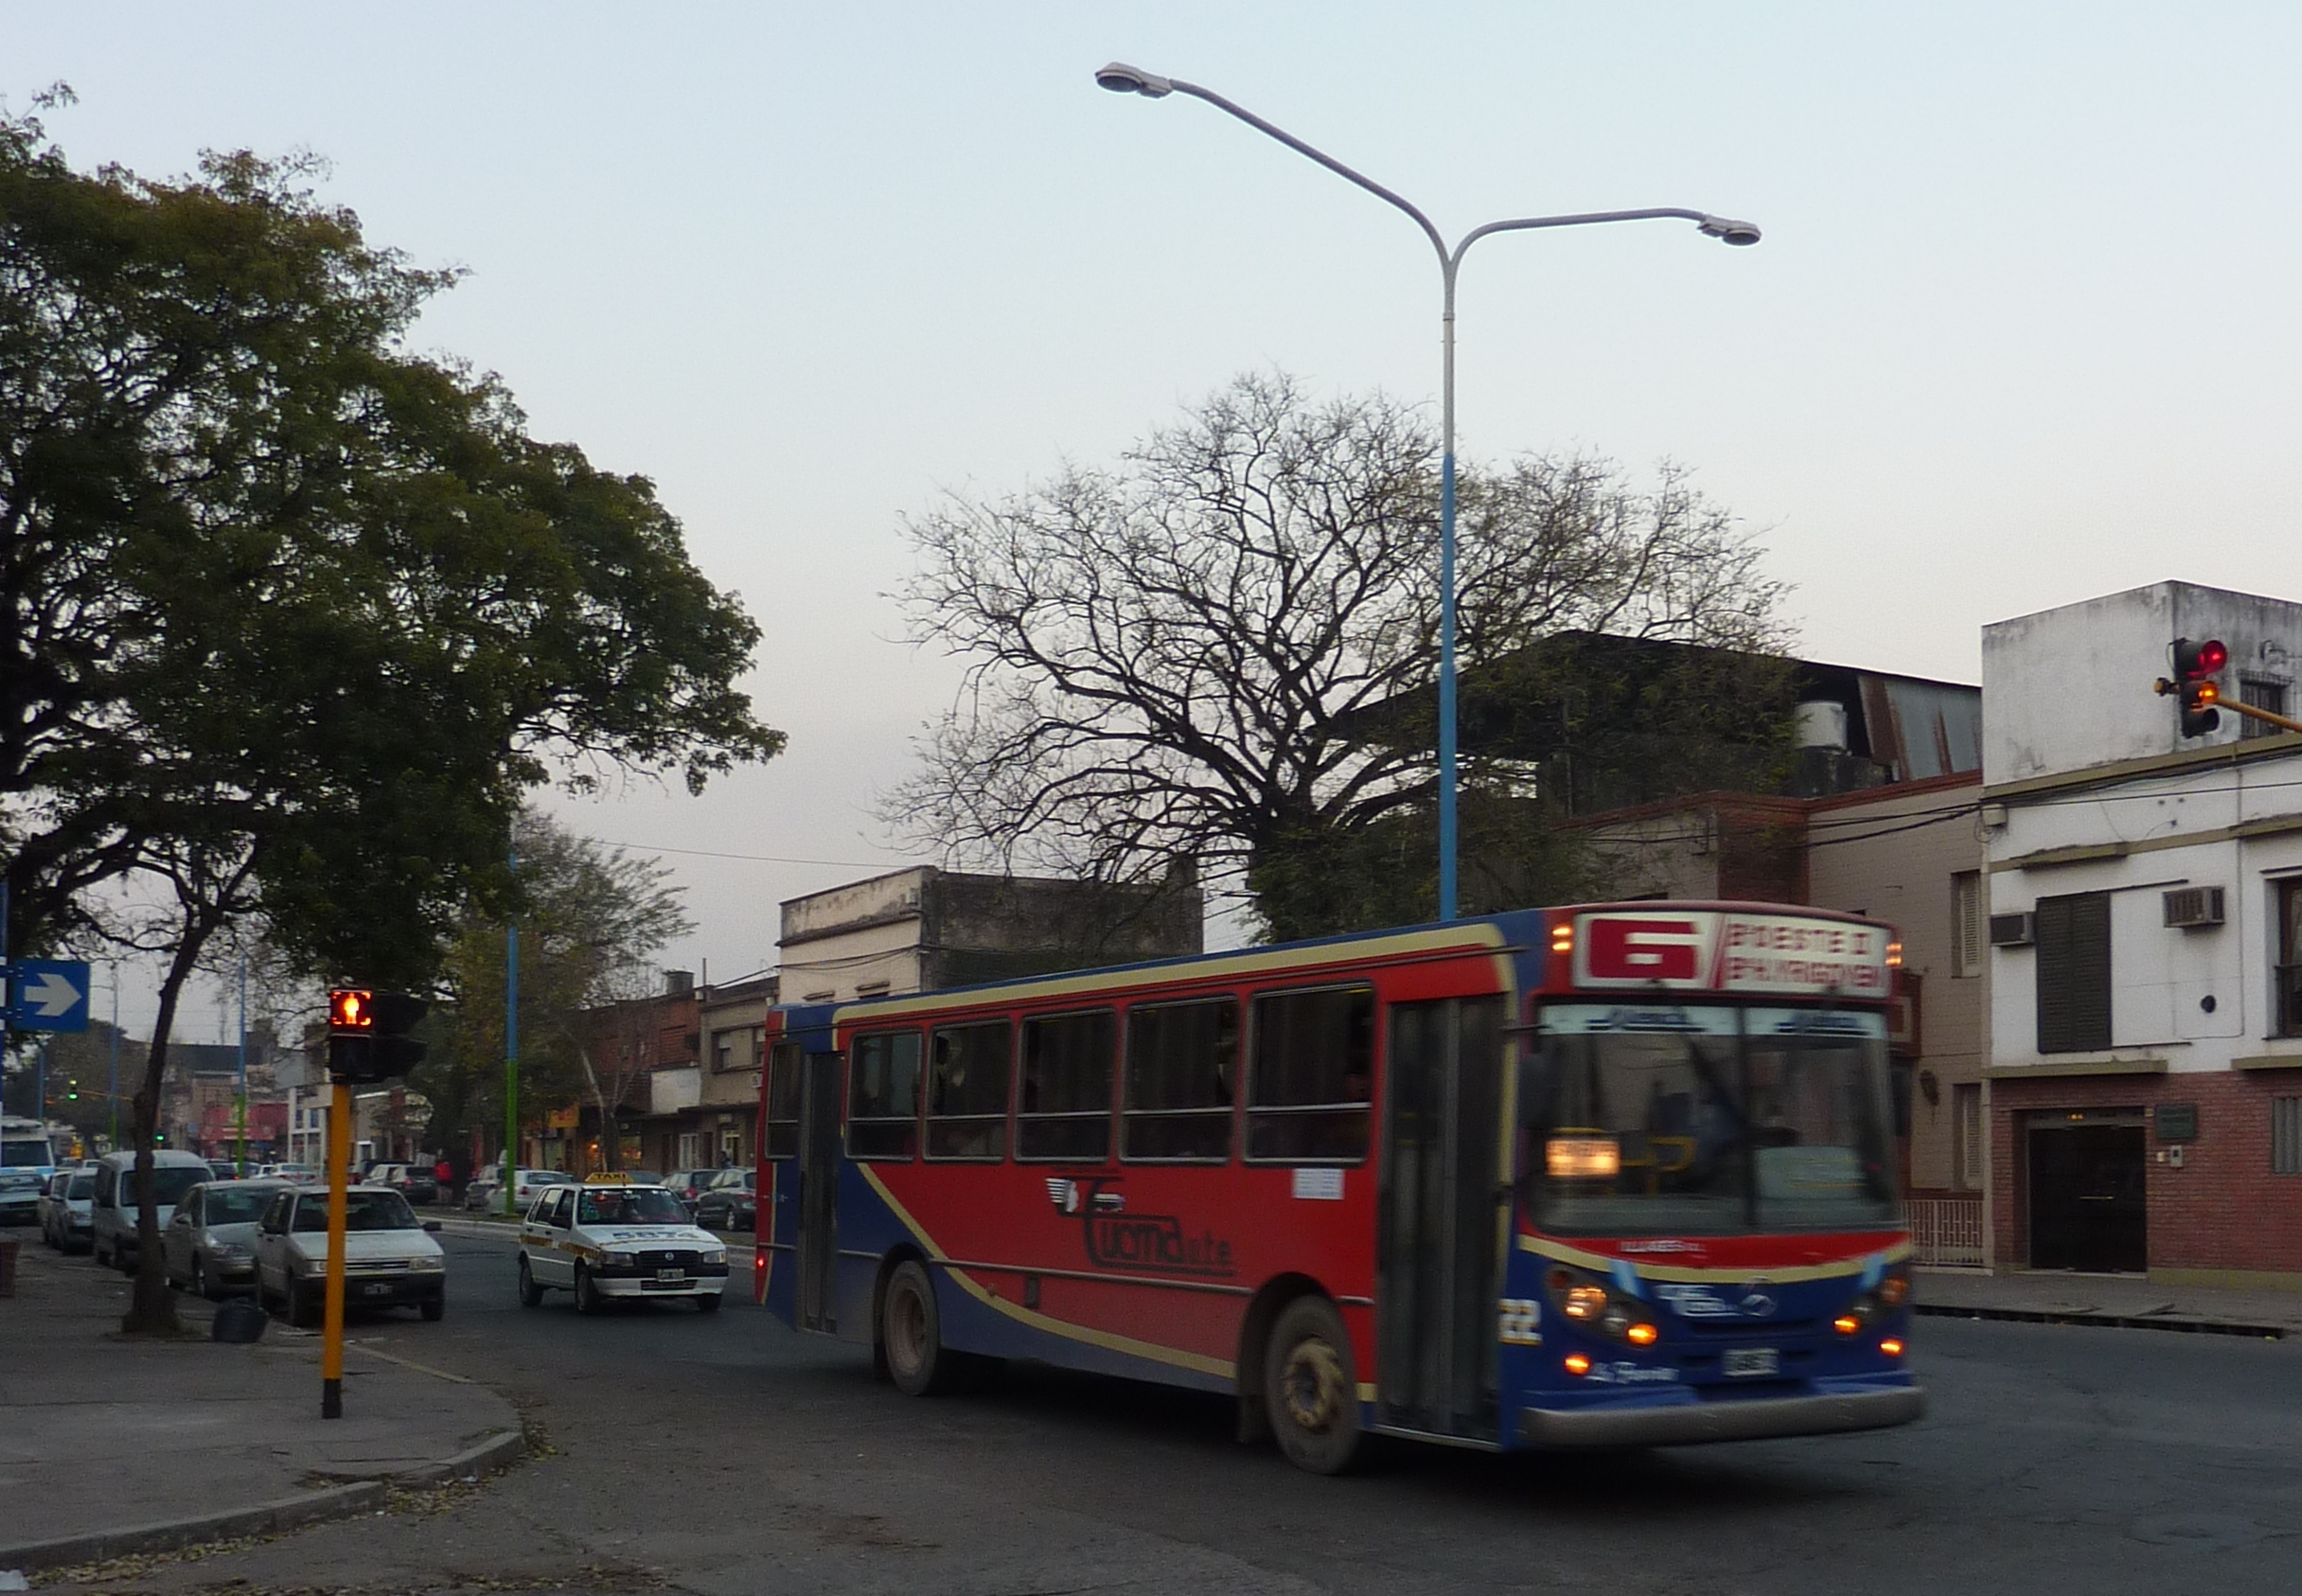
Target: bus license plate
[1743,1362]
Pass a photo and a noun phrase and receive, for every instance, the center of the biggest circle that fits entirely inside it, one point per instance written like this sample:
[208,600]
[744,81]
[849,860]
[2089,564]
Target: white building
[2146,927]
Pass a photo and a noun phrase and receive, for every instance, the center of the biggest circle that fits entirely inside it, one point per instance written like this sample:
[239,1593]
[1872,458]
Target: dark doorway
[1436,1251]
[2087,1211]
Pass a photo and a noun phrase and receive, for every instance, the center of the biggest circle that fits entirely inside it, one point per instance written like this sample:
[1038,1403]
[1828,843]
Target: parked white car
[210,1245]
[611,1238]
[390,1259]
[111,1209]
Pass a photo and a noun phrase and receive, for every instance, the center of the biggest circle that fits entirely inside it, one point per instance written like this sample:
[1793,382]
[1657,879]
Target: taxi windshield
[629,1205]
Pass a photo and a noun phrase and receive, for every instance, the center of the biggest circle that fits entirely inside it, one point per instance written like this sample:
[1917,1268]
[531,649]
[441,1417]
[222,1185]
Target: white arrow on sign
[53,995]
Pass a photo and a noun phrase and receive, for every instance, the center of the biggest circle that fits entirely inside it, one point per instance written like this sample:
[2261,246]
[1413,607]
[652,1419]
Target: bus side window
[968,1092]
[1063,1110]
[883,1096]
[1312,1081]
[1182,1059]
[784,1061]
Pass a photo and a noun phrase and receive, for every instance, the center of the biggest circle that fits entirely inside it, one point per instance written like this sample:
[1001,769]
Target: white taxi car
[610,1238]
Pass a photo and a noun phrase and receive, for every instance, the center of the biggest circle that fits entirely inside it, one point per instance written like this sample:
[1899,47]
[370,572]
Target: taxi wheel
[432,1309]
[911,1329]
[588,1299]
[708,1302]
[1310,1388]
[531,1294]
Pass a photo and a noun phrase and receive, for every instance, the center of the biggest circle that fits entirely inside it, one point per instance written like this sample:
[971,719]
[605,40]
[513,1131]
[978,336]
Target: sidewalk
[111,1445]
[2126,1301]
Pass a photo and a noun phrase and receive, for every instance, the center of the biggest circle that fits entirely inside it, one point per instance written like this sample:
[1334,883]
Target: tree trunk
[151,1309]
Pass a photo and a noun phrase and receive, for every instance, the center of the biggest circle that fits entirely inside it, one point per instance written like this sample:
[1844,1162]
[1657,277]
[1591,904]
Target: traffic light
[368,1037]
[2193,687]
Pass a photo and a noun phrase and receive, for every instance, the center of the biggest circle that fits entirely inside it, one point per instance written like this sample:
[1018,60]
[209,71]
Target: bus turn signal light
[1641,1334]
[1846,1325]
[1891,1347]
[1577,1364]
[1563,937]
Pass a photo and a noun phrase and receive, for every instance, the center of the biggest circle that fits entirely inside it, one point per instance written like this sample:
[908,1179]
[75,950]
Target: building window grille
[2286,1136]
[1966,924]
[2074,973]
[2262,693]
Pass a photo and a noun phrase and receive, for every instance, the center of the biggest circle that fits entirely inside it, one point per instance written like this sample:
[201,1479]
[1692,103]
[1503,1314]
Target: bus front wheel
[1311,1389]
[910,1331]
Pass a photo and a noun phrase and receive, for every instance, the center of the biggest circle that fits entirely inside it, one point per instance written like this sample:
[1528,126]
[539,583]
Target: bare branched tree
[1226,649]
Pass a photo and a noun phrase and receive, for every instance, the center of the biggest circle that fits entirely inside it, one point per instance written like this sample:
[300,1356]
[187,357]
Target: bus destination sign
[1721,950]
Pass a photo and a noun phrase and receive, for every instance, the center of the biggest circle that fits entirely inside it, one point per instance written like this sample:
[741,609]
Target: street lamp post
[1122,78]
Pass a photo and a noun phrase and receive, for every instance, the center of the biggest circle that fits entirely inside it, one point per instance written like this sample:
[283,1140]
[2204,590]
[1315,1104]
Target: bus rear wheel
[1310,1388]
[910,1331]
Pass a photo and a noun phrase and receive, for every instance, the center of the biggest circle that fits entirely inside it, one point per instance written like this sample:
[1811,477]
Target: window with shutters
[1966,924]
[1968,1148]
[2074,972]
[2285,986]
[2286,1136]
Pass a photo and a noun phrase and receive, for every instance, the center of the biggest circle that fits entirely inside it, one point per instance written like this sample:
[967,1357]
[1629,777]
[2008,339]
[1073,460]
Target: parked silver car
[65,1210]
[388,1259]
[210,1245]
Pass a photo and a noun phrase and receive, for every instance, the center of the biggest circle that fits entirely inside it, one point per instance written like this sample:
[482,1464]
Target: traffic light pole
[339,1179]
[2247,709]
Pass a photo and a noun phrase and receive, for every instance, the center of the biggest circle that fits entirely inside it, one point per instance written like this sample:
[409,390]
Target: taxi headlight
[716,1255]
[434,1263]
[620,1260]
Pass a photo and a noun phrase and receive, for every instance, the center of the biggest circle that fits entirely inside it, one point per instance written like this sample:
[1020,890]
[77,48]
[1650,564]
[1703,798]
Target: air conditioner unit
[2013,931]
[2194,907]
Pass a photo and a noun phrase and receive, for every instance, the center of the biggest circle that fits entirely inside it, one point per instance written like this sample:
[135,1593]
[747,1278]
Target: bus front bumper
[1686,1424]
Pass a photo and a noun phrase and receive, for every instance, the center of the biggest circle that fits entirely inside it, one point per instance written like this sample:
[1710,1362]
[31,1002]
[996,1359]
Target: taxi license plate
[1743,1362]
[673,1275]
[376,1289]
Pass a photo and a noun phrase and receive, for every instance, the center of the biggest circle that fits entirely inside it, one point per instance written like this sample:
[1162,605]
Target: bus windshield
[1658,1119]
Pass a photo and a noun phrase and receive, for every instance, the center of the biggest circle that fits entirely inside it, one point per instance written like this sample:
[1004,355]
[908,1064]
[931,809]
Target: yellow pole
[339,1171]
[2278,720]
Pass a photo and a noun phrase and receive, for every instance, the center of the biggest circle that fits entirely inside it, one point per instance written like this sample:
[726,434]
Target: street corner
[200,1440]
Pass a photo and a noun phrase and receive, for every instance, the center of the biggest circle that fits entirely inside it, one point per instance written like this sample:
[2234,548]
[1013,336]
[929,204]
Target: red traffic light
[2192,660]
[351,1009]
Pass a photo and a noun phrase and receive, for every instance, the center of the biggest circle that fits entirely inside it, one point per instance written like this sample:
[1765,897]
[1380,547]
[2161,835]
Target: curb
[310,1507]
[337,1501]
[2111,1321]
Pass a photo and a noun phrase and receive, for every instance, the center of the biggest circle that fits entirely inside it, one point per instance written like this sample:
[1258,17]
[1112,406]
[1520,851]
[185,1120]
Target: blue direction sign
[48,995]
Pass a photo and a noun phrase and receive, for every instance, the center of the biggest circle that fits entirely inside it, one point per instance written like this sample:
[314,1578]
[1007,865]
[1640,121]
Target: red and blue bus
[1601,1175]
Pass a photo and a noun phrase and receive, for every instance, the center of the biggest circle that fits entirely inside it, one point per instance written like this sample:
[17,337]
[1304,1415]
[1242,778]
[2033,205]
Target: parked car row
[221,1237]
[484,1194]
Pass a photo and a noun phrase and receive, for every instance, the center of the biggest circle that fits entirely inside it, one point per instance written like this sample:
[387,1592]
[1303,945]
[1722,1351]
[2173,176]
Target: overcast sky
[2023,329]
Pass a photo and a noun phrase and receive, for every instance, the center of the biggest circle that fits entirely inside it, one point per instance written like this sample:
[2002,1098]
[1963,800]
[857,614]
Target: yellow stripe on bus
[1542,1247]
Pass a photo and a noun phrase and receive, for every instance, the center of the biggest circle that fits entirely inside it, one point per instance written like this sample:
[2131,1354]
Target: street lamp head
[1121,78]
[1728,231]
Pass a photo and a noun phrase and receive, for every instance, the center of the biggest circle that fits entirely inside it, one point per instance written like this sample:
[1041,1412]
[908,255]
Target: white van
[112,1213]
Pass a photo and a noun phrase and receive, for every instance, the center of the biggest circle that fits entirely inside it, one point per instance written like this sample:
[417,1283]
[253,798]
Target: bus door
[819,1190]
[1442,1199]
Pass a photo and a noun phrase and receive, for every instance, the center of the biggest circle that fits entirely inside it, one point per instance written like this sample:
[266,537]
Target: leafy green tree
[591,919]
[297,614]
[1225,650]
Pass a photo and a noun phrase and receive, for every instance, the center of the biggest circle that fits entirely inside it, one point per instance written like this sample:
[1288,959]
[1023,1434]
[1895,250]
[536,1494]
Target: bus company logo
[1621,948]
[1664,1247]
[1119,1240]
[1749,1301]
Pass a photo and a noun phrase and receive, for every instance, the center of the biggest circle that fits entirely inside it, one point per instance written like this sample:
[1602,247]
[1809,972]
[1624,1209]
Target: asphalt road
[723,1453]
